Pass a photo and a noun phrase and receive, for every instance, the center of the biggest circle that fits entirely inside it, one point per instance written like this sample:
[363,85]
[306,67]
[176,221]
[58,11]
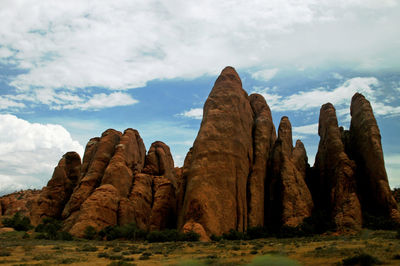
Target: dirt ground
[319,250]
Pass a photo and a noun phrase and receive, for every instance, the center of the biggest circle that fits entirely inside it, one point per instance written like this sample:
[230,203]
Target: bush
[361,259]
[128,231]
[50,229]
[378,222]
[162,236]
[234,235]
[257,232]
[18,222]
[89,233]
[189,236]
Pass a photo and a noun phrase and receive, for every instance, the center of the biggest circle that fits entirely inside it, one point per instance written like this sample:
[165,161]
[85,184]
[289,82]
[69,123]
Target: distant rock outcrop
[21,201]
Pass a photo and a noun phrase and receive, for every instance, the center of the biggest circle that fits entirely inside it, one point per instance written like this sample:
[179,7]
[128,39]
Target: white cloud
[30,151]
[305,100]
[6,103]
[392,163]
[265,74]
[102,100]
[195,113]
[307,129]
[124,44]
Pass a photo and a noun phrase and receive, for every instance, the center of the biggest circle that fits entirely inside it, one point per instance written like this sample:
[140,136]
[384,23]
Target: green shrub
[234,235]
[89,233]
[18,222]
[257,232]
[88,248]
[128,231]
[361,259]
[189,236]
[162,236]
[50,229]
[379,222]
[5,253]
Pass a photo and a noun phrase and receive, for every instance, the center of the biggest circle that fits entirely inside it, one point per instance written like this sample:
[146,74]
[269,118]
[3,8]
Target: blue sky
[70,70]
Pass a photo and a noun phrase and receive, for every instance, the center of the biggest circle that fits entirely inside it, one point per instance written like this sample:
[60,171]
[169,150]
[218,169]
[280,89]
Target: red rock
[222,155]
[289,200]
[264,137]
[99,210]
[335,179]
[88,156]
[163,212]
[366,150]
[141,198]
[198,229]
[128,159]
[21,201]
[159,160]
[59,189]
[101,157]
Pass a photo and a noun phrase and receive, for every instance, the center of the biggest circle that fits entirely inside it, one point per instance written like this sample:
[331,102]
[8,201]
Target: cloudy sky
[71,69]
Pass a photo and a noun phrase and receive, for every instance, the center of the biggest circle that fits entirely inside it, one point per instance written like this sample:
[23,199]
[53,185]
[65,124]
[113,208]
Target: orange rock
[128,159]
[335,178]
[366,149]
[163,212]
[263,140]
[198,229]
[99,210]
[289,200]
[141,198]
[216,195]
[21,201]
[101,156]
[55,195]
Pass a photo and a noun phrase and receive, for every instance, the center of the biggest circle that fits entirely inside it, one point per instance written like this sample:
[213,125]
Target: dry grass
[320,250]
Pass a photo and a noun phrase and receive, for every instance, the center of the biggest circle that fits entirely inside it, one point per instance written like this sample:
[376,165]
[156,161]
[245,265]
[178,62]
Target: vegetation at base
[171,235]
[361,259]
[18,222]
[132,232]
[128,231]
[379,222]
[89,233]
[51,229]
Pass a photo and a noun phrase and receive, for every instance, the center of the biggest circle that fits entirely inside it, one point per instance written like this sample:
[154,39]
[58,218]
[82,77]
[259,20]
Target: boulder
[366,149]
[335,175]
[264,137]
[216,196]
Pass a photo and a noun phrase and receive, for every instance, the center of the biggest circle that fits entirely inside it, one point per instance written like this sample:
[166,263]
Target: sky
[69,70]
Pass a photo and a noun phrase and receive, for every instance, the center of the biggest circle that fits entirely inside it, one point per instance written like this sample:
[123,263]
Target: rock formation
[55,195]
[288,199]
[264,137]
[238,174]
[335,180]
[366,149]
[222,154]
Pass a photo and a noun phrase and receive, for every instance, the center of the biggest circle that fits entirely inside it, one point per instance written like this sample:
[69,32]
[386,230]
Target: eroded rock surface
[366,149]
[335,179]
[264,137]
[55,195]
[288,200]
[222,154]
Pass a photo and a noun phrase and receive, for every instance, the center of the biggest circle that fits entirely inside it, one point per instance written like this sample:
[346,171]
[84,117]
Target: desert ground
[383,247]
